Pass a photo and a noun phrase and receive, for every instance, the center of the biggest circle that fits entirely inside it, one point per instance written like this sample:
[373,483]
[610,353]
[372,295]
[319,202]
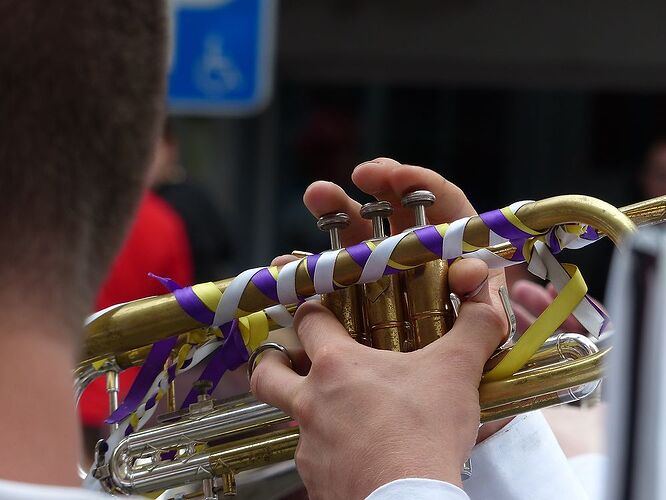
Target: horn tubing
[149,320]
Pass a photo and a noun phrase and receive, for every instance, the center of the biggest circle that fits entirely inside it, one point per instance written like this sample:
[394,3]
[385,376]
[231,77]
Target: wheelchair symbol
[215,73]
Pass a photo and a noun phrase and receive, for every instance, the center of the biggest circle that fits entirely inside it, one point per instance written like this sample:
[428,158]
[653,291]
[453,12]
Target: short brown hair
[81,97]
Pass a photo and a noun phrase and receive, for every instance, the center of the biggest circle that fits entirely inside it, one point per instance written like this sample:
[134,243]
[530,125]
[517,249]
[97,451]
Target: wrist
[487,430]
[434,466]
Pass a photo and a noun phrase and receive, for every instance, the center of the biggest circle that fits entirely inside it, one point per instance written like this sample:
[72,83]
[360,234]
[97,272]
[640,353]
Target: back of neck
[40,432]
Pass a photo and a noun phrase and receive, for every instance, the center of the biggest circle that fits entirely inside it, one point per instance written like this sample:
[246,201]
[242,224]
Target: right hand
[369,416]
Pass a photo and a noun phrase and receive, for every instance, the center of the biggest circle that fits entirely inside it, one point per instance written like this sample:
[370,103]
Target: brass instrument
[215,440]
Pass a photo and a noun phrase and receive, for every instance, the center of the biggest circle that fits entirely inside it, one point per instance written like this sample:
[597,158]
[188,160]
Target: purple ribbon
[229,356]
[590,234]
[553,242]
[266,284]
[159,353]
[360,253]
[496,221]
[430,238]
[152,367]
[311,263]
[602,313]
[187,300]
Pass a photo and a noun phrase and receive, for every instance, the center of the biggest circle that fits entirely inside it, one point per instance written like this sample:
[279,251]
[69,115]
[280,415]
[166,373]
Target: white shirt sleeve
[590,469]
[523,461]
[418,489]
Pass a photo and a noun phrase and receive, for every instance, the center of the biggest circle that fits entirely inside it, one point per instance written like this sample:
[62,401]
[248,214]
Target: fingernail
[300,253]
[369,162]
[476,291]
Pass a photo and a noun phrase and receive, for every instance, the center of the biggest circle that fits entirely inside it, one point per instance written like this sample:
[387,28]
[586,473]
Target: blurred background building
[511,100]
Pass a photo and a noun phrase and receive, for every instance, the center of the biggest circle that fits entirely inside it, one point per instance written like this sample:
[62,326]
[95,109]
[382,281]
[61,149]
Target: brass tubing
[229,459]
[540,381]
[146,321]
[385,314]
[427,295]
[646,212]
[521,393]
[346,305]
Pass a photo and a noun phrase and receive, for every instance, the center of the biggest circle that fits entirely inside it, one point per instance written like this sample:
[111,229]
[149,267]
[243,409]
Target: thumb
[481,325]
[316,327]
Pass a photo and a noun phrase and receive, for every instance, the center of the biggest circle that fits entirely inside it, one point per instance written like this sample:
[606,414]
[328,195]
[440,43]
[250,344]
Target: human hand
[367,416]
[386,180]
[389,180]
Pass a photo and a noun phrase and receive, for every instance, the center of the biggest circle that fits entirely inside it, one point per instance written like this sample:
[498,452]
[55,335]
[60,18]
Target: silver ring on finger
[254,357]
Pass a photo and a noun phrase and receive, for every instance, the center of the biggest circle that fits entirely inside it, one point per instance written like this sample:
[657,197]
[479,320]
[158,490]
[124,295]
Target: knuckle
[306,319]
[460,356]
[327,359]
[300,458]
[304,410]
[493,317]
[256,382]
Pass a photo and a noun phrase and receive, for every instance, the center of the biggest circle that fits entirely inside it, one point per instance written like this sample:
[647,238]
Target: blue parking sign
[222,56]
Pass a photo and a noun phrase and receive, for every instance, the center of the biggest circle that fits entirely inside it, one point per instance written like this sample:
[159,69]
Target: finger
[274,382]
[552,291]
[480,326]
[532,296]
[281,260]
[316,326]
[535,299]
[468,278]
[389,180]
[471,280]
[523,318]
[323,197]
[287,338]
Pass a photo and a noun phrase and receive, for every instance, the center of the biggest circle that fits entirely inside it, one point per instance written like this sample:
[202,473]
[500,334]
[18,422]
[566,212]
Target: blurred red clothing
[157,243]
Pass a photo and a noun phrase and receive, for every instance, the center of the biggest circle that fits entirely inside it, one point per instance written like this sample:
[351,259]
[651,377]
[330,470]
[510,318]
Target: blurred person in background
[203,222]
[652,178]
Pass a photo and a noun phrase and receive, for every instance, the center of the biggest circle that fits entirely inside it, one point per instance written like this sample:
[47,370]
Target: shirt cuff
[590,469]
[522,460]
[418,489]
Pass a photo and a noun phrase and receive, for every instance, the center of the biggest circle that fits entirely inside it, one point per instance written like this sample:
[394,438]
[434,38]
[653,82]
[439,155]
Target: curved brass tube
[135,465]
[146,321]
[566,368]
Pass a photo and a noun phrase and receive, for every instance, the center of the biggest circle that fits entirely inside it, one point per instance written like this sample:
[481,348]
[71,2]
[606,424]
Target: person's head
[165,168]
[81,97]
[653,175]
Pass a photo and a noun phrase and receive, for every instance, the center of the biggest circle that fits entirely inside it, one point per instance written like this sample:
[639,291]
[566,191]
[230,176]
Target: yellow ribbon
[544,326]
[254,329]
[98,364]
[209,294]
[513,219]
[182,355]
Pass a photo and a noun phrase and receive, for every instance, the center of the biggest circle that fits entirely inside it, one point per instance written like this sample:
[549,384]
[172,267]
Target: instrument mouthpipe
[146,321]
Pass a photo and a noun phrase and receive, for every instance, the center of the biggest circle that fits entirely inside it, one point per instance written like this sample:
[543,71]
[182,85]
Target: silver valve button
[377,212]
[333,223]
[418,200]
